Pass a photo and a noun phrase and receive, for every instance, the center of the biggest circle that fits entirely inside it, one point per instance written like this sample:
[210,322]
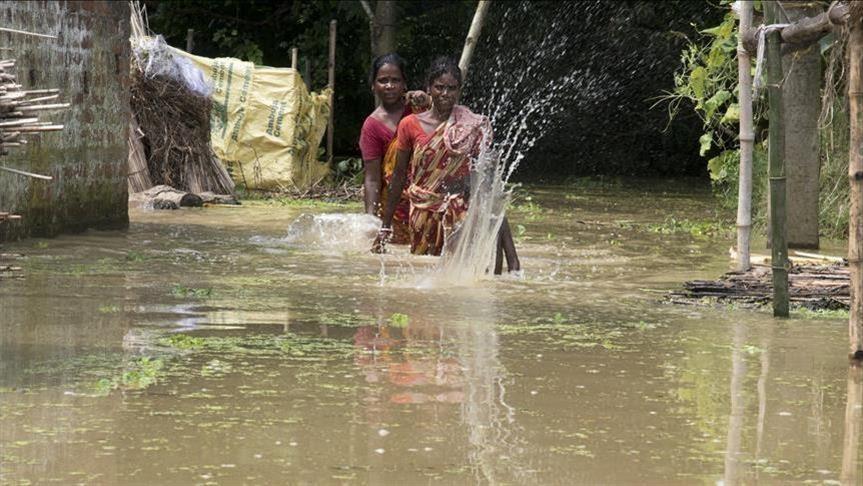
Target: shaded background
[626,51]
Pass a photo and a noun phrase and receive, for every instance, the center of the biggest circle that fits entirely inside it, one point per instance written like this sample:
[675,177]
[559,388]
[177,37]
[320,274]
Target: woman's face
[389,85]
[444,91]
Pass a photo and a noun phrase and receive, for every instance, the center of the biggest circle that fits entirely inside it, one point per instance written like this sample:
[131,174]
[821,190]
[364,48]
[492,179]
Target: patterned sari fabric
[401,234]
[440,163]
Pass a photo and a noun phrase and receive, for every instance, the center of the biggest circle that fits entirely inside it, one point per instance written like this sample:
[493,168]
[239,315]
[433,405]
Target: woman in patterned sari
[434,150]
[377,138]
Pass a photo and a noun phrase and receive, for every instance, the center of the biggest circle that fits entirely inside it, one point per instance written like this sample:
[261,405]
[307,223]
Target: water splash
[333,232]
[525,98]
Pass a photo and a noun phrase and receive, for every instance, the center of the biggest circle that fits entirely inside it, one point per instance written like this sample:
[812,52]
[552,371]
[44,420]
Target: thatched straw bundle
[855,11]
[176,126]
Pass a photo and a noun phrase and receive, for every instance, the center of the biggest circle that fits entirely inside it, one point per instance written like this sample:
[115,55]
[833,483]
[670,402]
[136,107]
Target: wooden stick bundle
[19,109]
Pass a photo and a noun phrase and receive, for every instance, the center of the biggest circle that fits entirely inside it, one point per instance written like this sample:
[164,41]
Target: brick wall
[89,63]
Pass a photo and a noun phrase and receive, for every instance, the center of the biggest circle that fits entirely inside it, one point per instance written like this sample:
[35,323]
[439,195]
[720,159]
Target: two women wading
[378,137]
[433,155]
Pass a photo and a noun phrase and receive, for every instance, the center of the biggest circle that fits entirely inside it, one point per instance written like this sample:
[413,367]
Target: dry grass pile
[176,125]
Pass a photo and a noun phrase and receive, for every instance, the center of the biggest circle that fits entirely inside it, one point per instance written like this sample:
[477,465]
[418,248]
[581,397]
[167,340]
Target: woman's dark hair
[443,65]
[391,58]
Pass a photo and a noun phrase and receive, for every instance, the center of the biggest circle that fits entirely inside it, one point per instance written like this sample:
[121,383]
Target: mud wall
[89,63]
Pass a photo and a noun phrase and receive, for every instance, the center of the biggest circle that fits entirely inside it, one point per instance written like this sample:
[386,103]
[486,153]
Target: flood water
[201,347]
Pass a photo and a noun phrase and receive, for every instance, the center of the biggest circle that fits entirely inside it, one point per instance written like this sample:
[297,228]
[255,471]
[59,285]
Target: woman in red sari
[377,138]
[434,150]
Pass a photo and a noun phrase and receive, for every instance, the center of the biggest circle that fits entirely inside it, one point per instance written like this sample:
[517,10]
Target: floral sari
[401,234]
[437,166]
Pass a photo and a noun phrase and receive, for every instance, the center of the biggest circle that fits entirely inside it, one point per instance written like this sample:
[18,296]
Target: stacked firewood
[19,109]
[811,286]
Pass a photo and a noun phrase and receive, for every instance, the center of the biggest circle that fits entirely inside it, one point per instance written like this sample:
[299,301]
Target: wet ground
[200,347]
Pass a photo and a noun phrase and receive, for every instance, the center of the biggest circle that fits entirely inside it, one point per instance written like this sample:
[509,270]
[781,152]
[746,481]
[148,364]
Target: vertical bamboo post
[855,179]
[747,138]
[776,140]
[294,58]
[190,40]
[472,37]
[331,68]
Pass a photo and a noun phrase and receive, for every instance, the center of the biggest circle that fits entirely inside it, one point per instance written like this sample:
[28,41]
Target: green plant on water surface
[135,256]
[672,225]
[182,291]
[295,346]
[399,320]
[139,374]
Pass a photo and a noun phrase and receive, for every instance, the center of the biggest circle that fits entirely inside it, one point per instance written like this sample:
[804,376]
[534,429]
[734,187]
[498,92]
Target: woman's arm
[396,186]
[372,185]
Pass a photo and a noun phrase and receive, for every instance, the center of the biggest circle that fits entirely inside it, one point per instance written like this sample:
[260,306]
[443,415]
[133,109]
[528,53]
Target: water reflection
[432,363]
[733,469]
[851,464]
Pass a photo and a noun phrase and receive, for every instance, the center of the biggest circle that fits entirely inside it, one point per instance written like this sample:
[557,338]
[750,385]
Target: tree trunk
[473,37]
[747,139]
[776,141]
[855,175]
[801,107]
[386,17]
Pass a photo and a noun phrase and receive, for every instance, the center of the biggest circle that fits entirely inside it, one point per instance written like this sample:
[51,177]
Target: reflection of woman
[377,138]
[434,151]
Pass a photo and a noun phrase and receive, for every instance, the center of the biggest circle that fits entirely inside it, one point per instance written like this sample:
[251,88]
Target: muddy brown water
[200,348]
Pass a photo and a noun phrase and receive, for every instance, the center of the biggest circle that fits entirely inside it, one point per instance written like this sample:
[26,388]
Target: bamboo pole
[747,138]
[295,53]
[24,32]
[190,40]
[855,179]
[372,44]
[25,173]
[472,37]
[776,140]
[331,68]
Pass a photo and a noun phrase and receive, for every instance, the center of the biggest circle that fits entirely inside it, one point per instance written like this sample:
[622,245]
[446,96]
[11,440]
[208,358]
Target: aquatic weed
[399,320]
[182,291]
[140,374]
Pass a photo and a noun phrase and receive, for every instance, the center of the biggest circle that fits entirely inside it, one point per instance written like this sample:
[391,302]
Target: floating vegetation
[135,256]
[182,291]
[289,201]
[564,331]
[140,374]
[109,309]
[806,313]
[672,225]
[528,209]
[345,319]
[399,320]
[306,348]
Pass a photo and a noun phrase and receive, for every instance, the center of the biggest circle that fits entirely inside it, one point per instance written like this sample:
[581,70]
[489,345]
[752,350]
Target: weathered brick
[89,63]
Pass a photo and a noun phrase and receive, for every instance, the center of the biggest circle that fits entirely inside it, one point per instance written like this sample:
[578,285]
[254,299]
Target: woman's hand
[418,99]
[381,240]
